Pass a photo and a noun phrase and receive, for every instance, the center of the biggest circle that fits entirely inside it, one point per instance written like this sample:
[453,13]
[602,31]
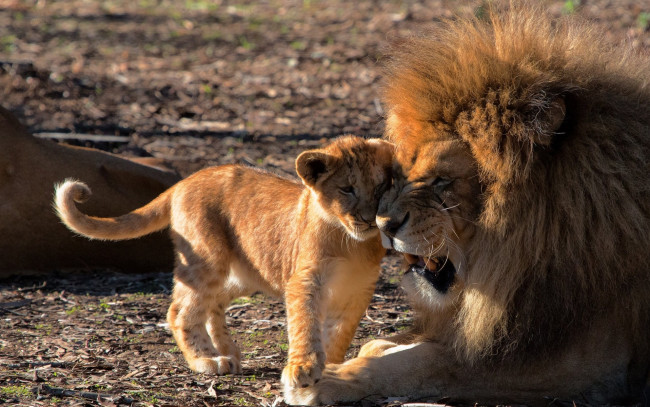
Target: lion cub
[239,230]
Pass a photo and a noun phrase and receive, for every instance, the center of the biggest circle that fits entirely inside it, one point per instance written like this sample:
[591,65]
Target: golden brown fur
[523,148]
[32,238]
[239,230]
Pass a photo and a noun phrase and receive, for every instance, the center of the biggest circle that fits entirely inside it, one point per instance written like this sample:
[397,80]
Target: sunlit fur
[555,298]
[238,230]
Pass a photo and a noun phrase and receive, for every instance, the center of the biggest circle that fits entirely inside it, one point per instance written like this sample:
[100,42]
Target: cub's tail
[150,218]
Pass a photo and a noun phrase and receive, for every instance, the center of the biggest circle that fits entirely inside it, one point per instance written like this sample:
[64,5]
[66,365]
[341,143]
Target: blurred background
[204,82]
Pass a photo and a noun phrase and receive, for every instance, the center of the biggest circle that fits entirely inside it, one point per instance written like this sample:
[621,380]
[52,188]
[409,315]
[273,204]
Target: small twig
[20,314]
[130,374]
[54,391]
[275,355]
[80,136]
[62,298]
[32,288]
[39,364]
[374,320]
[238,306]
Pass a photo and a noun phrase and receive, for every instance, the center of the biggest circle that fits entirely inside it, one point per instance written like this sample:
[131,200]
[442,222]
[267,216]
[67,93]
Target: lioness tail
[152,217]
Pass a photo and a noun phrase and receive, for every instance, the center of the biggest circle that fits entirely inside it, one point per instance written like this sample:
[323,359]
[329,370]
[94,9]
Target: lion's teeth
[431,264]
[386,241]
[411,259]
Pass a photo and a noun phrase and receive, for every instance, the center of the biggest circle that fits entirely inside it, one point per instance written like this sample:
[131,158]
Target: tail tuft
[80,192]
[150,218]
[70,188]
[65,194]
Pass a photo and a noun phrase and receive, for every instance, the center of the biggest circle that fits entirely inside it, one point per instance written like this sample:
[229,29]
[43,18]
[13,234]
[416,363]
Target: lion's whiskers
[445,209]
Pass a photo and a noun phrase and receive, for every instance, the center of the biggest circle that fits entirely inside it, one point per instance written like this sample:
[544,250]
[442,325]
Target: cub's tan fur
[239,230]
[523,145]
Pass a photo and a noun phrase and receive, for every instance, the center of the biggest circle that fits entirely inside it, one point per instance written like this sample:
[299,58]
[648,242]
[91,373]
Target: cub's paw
[303,373]
[328,390]
[218,365]
[307,396]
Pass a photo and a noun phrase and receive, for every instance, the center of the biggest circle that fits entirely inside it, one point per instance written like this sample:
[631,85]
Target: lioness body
[32,237]
[522,158]
[239,230]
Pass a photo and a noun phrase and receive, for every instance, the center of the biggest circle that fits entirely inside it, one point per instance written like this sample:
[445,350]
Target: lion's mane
[563,237]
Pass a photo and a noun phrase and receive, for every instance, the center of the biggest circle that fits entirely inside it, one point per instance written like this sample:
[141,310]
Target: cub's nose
[370,221]
[391,225]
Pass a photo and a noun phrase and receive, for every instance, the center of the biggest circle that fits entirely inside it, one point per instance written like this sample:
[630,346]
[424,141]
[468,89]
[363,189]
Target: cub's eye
[349,190]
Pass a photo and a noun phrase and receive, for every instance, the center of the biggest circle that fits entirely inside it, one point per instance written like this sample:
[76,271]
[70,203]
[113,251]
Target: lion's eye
[439,184]
[348,190]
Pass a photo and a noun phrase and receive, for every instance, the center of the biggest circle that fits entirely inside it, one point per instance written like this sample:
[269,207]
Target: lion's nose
[390,226]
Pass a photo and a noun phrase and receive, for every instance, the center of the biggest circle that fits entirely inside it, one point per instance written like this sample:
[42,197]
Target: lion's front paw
[219,365]
[303,372]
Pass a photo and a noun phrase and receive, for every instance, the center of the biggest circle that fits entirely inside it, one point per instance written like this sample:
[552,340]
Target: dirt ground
[197,83]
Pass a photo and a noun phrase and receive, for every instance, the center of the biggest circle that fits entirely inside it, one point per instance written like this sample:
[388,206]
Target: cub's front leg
[306,353]
[347,301]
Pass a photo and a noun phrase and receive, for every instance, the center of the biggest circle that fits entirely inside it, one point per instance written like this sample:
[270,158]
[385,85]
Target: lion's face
[347,178]
[429,213]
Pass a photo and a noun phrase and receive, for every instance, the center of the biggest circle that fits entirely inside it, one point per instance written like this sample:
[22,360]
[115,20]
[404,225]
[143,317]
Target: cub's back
[243,210]
[236,195]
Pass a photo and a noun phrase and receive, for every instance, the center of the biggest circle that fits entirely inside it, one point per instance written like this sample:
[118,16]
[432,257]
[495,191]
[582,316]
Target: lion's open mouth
[438,271]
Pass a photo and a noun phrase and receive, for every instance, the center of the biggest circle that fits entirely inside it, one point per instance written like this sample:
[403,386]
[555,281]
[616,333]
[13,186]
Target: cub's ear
[313,166]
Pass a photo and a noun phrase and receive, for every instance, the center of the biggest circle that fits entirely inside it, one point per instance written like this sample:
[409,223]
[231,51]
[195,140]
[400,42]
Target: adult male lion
[523,200]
